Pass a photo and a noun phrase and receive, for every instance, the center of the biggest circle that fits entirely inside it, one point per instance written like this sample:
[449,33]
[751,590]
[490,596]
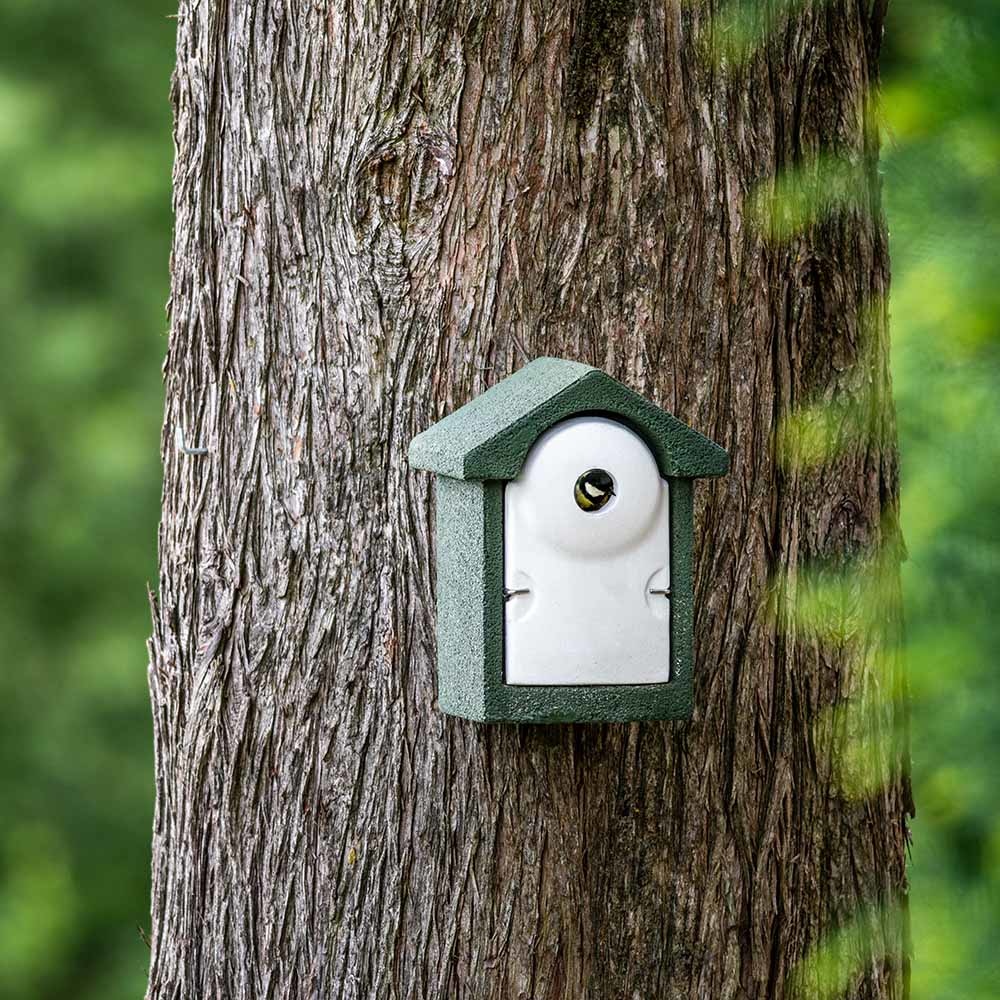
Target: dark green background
[85,159]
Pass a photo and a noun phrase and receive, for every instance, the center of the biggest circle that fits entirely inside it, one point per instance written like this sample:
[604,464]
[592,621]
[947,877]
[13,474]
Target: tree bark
[381,210]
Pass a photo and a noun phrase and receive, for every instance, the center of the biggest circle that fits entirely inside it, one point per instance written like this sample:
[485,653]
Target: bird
[593,490]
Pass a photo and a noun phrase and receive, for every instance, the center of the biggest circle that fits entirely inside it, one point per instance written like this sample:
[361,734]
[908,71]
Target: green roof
[489,438]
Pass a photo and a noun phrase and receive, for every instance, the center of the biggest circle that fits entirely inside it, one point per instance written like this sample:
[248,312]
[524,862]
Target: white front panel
[580,608]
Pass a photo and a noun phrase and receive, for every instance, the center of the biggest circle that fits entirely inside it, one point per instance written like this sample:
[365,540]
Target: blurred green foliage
[85,158]
[941,163]
[85,172]
[830,968]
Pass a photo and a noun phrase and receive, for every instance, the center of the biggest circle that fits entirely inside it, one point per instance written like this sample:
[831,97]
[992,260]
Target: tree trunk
[381,210]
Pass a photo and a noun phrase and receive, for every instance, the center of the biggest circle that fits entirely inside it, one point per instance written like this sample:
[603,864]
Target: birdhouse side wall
[469,592]
[681,598]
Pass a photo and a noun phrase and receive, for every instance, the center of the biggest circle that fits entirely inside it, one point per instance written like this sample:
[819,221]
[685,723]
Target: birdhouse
[564,543]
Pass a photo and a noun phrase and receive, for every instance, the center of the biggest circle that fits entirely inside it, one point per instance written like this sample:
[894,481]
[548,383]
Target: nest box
[564,542]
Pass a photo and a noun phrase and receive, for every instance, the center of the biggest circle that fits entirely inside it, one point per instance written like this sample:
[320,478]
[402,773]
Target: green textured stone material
[475,450]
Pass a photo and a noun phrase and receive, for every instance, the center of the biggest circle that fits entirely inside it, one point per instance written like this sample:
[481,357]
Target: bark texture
[381,210]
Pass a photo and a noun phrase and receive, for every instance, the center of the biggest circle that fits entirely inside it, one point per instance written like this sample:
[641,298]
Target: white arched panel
[587,591]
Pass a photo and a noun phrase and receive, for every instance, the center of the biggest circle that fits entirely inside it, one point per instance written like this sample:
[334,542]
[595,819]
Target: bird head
[593,490]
